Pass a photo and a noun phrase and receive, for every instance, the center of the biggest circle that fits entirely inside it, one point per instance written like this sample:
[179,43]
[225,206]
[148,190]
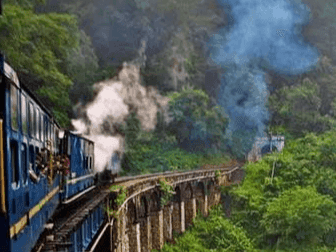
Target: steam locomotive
[41,167]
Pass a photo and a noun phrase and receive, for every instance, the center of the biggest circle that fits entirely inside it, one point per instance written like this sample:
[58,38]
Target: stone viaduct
[141,223]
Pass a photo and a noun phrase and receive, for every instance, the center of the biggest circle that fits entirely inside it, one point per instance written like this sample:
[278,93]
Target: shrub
[300,215]
[214,233]
[167,191]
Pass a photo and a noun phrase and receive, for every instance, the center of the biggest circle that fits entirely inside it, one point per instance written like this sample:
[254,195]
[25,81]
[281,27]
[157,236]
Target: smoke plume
[115,99]
[262,35]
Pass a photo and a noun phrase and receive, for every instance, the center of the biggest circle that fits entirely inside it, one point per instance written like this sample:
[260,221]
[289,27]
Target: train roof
[80,135]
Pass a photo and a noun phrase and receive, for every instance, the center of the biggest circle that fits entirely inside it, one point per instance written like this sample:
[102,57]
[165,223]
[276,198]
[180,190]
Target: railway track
[68,217]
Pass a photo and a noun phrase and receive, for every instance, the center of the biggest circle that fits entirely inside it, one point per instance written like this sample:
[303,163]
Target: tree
[197,125]
[300,214]
[37,45]
[82,66]
[299,108]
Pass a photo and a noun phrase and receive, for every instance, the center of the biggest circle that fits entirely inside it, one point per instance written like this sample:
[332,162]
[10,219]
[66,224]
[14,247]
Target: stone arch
[155,219]
[143,207]
[190,207]
[188,192]
[131,212]
[131,220]
[144,220]
[177,195]
[176,216]
[200,196]
[211,193]
[154,202]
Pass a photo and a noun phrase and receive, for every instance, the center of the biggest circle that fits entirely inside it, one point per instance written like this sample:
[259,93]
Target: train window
[14,107]
[52,136]
[24,164]
[38,124]
[32,159]
[83,153]
[86,154]
[92,149]
[89,227]
[50,130]
[24,114]
[55,139]
[14,164]
[80,145]
[91,156]
[69,145]
[42,127]
[46,127]
[84,147]
[31,120]
[49,127]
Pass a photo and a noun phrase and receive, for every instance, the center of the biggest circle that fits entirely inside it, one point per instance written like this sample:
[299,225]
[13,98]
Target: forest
[215,87]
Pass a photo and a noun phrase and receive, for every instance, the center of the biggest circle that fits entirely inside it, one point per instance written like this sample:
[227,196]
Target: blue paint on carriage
[85,233]
[22,194]
[78,169]
[26,239]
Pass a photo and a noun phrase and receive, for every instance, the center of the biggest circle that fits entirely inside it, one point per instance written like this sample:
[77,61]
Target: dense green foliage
[193,138]
[292,210]
[215,233]
[296,207]
[167,192]
[308,104]
[198,126]
[150,153]
[301,213]
[37,46]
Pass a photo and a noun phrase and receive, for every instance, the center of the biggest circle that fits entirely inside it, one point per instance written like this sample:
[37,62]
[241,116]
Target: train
[42,166]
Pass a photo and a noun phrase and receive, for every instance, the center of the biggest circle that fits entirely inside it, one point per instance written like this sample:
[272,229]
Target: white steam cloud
[115,99]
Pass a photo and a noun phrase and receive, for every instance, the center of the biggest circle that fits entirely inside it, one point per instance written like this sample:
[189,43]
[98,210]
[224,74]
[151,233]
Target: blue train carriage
[80,178]
[91,228]
[29,179]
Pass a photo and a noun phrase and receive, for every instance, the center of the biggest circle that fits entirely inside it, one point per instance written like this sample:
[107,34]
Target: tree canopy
[197,124]
[287,200]
[37,45]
